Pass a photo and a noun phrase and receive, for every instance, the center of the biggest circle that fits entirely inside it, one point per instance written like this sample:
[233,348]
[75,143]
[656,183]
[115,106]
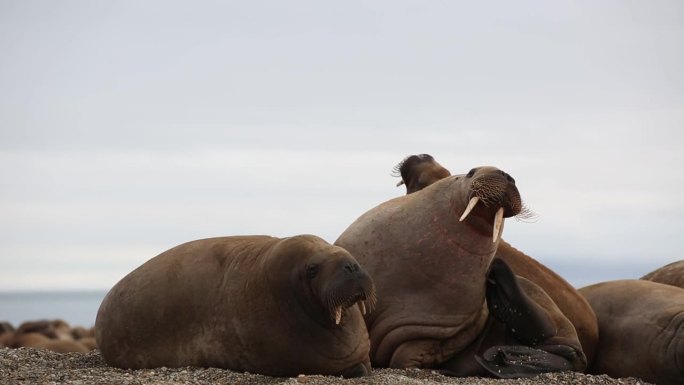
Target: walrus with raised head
[641,326]
[273,306]
[430,254]
[670,274]
[420,171]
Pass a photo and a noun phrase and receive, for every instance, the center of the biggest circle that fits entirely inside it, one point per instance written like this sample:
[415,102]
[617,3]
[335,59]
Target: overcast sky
[128,127]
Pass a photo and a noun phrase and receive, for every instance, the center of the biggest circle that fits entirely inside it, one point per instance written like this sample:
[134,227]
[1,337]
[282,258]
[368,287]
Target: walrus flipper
[536,345]
[525,320]
[515,361]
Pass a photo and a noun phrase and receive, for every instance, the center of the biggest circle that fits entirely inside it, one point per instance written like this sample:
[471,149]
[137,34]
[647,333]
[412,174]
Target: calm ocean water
[78,308]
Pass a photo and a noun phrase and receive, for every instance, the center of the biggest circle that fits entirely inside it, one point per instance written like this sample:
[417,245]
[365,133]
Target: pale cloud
[130,127]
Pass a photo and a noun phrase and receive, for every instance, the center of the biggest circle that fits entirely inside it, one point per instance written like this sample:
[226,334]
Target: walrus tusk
[338,315]
[498,221]
[362,306]
[471,204]
[400,183]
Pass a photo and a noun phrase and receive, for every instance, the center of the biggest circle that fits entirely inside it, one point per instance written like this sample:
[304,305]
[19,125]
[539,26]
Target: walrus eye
[311,271]
[471,173]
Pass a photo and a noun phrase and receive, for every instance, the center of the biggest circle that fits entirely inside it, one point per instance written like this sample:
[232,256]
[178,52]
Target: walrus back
[165,309]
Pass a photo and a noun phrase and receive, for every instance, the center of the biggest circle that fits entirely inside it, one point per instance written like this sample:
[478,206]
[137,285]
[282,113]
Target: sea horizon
[76,307]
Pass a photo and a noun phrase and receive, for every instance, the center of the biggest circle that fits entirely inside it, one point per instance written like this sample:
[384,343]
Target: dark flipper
[514,361]
[533,323]
[525,320]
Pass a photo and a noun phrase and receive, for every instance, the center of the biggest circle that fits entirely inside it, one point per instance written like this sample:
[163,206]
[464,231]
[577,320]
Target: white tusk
[338,315]
[400,183]
[471,204]
[362,306]
[498,222]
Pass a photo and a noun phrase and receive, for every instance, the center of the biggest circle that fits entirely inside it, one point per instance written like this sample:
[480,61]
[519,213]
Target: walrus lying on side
[420,171]
[278,307]
[431,257]
[641,326]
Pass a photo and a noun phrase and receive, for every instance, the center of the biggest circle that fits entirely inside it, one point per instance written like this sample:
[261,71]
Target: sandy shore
[34,366]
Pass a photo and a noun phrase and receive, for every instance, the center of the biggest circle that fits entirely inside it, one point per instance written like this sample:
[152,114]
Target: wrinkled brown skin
[670,274]
[426,170]
[430,271]
[245,303]
[641,325]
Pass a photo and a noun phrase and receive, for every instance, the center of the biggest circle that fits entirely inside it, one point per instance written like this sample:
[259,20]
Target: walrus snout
[496,190]
[351,286]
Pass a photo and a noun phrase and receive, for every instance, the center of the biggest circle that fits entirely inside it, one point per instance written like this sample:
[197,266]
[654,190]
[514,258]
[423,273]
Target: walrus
[429,253]
[40,341]
[273,306]
[420,171]
[670,274]
[6,331]
[43,334]
[641,328]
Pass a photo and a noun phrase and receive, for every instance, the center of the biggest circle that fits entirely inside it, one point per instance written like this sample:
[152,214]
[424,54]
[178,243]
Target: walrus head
[339,282]
[419,171]
[492,194]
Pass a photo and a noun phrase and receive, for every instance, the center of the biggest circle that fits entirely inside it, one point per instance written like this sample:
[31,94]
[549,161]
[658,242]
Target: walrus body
[670,274]
[420,171]
[429,253]
[641,328]
[279,307]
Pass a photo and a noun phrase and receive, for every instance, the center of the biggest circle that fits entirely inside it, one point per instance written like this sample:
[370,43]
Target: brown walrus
[43,334]
[641,324]
[429,253]
[420,171]
[39,340]
[670,274]
[278,307]
[6,331]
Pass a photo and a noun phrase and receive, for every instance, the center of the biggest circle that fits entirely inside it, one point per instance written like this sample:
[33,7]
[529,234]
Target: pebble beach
[39,366]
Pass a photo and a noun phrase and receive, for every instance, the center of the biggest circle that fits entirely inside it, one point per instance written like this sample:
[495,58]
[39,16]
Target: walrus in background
[430,253]
[6,331]
[420,171]
[670,274]
[44,334]
[641,326]
[39,340]
[279,307]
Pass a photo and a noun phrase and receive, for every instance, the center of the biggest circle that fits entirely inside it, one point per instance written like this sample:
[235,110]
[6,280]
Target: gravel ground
[35,366]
